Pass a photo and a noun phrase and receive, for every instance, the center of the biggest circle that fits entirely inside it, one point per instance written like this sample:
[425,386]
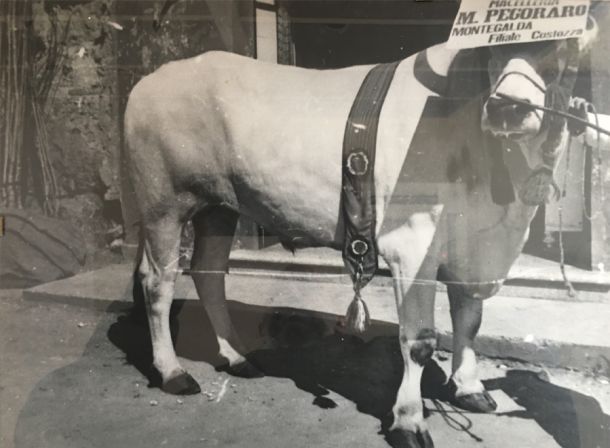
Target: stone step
[566,334]
[530,276]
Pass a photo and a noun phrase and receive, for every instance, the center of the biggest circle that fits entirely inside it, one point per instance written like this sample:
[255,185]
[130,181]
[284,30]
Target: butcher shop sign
[481,23]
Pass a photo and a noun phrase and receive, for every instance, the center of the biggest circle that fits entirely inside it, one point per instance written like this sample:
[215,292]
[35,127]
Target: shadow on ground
[101,401]
[573,419]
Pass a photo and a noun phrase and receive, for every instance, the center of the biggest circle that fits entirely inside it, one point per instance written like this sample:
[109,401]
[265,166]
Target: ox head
[523,76]
[534,73]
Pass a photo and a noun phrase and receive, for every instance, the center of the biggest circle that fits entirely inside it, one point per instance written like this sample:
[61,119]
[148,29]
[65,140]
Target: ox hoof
[479,402]
[409,439]
[183,384]
[244,369]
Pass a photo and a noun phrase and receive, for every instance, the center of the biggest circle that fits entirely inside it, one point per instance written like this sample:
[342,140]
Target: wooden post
[600,161]
[226,15]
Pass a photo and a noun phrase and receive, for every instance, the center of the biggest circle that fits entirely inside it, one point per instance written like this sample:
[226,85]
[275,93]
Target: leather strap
[358,167]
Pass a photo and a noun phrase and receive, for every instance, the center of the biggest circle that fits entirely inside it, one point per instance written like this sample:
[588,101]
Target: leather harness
[358,181]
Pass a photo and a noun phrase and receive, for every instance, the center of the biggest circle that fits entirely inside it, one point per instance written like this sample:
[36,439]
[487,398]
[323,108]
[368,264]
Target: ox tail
[130,212]
[132,235]
[357,317]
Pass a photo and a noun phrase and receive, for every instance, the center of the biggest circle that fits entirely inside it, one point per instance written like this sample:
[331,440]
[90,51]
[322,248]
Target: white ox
[219,135]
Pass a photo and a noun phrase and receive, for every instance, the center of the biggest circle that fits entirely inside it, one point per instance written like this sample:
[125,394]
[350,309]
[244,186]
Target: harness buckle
[357,163]
[359,247]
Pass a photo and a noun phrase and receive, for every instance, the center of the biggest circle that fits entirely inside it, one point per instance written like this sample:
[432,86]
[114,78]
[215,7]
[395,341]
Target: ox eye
[523,109]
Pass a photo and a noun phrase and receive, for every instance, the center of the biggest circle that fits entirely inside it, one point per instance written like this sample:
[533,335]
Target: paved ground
[519,327]
[76,377]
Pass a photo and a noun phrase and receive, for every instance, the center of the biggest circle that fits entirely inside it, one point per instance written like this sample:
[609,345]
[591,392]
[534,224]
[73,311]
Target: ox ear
[586,41]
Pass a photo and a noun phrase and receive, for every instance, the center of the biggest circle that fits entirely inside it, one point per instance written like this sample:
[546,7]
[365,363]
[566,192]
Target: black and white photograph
[305,223]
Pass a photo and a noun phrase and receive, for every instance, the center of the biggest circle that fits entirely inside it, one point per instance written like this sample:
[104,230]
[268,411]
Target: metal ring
[359,247]
[357,157]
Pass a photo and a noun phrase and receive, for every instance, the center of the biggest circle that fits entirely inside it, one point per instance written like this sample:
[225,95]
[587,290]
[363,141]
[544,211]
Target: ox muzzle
[512,110]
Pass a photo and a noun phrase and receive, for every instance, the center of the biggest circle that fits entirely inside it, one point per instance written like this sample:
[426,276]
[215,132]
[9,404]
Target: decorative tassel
[357,318]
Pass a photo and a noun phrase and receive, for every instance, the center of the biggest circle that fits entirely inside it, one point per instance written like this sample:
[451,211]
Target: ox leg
[466,315]
[415,303]
[158,271]
[214,230]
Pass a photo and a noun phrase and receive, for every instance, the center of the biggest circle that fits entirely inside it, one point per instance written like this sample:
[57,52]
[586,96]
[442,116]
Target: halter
[557,97]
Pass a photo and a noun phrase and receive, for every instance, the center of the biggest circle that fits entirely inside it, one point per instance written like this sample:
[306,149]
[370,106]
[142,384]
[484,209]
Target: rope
[562,265]
[313,275]
[568,284]
[567,115]
[453,422]
[588,106]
